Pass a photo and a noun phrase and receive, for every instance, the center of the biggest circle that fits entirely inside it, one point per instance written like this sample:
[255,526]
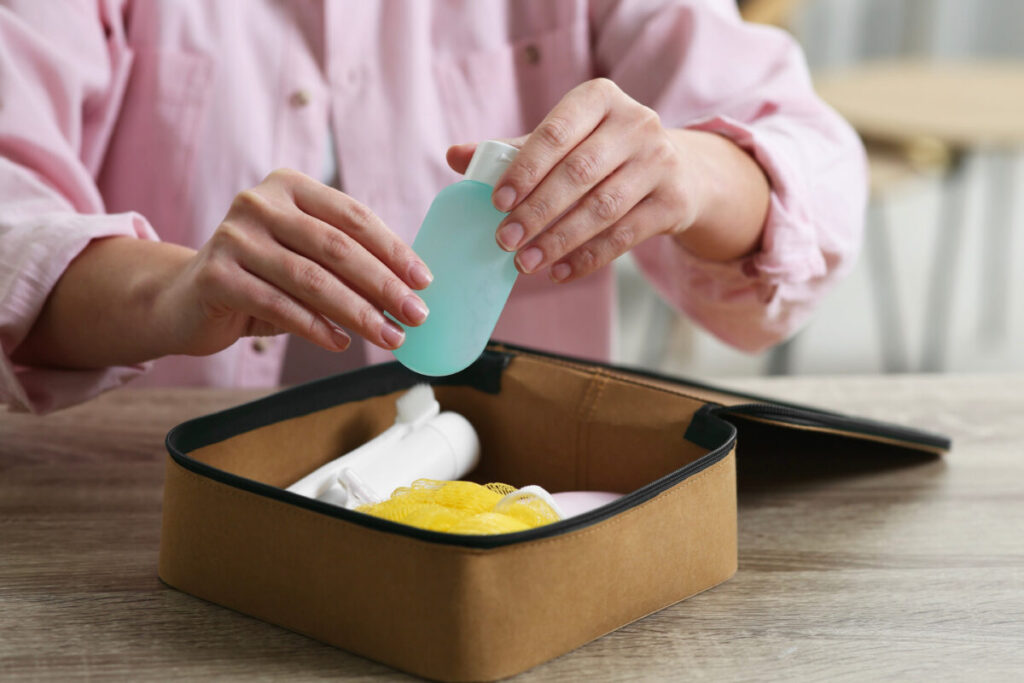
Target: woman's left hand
[599,175]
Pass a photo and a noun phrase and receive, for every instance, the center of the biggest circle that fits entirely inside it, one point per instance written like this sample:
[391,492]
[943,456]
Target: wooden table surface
[909,572]
[968,104]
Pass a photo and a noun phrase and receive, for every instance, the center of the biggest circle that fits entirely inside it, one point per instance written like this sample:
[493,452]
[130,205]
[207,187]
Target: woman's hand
[293,255]
[600,174]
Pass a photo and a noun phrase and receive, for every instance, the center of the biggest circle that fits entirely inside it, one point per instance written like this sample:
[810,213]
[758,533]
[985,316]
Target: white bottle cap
[490,161]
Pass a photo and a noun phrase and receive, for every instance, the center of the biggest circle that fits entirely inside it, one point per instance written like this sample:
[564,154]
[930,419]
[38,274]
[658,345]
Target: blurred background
[936,90]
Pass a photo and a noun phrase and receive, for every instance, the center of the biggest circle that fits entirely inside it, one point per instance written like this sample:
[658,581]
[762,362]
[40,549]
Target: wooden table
[910,572]
[936,113]
[970,104]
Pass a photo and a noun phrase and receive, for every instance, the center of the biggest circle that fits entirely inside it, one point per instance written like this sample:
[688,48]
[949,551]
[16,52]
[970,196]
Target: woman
[667,128]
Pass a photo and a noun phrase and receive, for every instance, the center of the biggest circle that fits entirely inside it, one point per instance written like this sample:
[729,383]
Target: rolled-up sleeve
[63,70]
[700,67]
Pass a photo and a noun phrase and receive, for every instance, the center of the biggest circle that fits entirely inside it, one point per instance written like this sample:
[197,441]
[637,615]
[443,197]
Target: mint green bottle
[473,276]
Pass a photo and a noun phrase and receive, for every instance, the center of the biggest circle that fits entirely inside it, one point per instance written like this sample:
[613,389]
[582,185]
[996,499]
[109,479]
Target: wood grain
[964,104]
[908,571]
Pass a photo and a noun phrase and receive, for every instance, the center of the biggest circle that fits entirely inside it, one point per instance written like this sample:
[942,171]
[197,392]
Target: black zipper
[641,495]
[706,429]
[821,419]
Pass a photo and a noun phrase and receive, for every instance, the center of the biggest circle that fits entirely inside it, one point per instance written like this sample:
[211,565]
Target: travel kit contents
[405,475]
[422,443]
[462,507]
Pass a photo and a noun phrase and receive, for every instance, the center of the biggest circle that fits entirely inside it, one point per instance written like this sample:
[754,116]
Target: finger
[359,222]
[350,262]
[274,309]
[589,163]
[458,156]
[603,206]
[570,122]
[319,290]
[645,220]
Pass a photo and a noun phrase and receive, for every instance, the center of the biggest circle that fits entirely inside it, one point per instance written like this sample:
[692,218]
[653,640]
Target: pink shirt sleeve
[701,67]
[63,68]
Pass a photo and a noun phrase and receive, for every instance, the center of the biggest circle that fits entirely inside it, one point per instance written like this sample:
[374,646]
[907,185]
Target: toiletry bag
[462,608]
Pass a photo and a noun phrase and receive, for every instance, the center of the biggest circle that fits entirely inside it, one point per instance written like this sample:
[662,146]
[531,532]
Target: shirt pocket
[149,164]
[507,91]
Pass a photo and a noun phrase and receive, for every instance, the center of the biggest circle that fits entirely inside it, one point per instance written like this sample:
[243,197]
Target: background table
[939,113]
[907,571]
[975,104]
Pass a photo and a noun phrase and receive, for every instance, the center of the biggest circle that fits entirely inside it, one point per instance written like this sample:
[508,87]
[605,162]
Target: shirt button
[532,54]
[352,77]
[300,98]
[260,345]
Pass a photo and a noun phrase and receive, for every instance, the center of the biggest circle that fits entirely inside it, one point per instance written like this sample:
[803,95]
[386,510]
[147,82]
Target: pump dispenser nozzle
[490,161]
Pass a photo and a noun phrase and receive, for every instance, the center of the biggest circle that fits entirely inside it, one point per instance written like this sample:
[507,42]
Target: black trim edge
[384,379]
[707,428]
[851,426]
[375,380]
[483,542]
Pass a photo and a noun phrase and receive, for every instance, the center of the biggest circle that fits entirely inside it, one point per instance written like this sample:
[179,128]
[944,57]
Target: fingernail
[392,334]
[510,236]
[414,309]
[420,276]
[341,338]
[561,271]
[529,259]
[504,198]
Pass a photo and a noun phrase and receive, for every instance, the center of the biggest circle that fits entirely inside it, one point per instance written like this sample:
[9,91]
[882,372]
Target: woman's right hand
[294,255]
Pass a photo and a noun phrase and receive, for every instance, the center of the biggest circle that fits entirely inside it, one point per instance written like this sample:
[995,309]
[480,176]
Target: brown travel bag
[457,607]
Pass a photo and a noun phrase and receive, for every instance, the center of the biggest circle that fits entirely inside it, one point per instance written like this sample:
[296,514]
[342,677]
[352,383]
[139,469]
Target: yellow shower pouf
[462,507]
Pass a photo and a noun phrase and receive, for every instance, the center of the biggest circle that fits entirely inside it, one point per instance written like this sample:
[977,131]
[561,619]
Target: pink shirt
[145,118]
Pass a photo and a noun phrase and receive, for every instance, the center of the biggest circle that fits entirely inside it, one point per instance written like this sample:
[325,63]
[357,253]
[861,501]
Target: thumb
[458,156]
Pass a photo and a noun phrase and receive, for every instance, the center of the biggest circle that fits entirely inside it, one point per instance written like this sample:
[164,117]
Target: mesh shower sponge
[463,507]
